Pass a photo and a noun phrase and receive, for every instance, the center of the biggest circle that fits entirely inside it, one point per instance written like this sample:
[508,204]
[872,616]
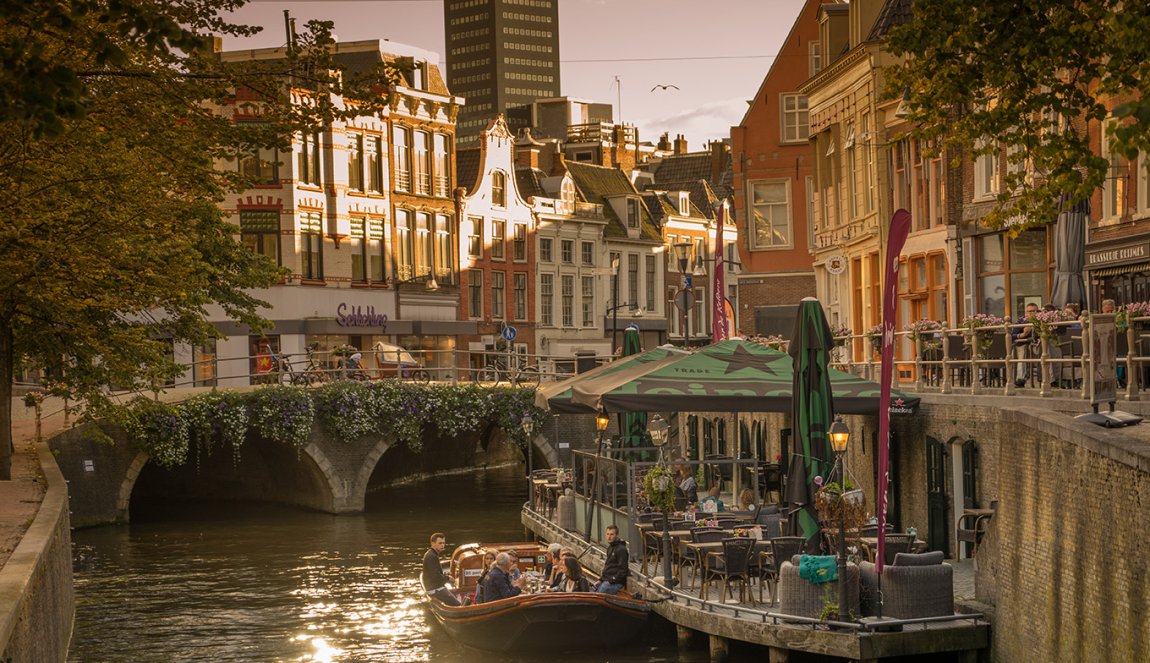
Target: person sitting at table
[488,564]
[515,572]
[711,503]
[551,566]
[498,584]
[687,482]
[571,579]
[747,500]
[1024,338]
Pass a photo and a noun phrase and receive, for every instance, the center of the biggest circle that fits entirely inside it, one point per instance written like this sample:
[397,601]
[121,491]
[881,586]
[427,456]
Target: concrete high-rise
[501,56]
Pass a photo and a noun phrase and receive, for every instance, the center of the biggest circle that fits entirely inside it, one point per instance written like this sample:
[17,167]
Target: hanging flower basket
[659,486]
[831,503]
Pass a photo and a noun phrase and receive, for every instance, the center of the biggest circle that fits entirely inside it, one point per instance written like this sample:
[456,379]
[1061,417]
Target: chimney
[664,142]
[680,144]
[527,156]
[558,167]
[718,150]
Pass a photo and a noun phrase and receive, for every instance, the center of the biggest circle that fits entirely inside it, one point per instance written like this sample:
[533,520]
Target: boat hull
[551,621]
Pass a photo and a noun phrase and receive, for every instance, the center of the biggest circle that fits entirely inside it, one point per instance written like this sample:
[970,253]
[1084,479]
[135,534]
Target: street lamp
[528,426]
[683,258]
[840,435]
[614,302]
[658,429]
[602,420]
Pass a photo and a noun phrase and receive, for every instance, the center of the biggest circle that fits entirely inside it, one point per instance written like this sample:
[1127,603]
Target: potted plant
[874,334]
[928,331]
[841,334]
[981,328]
[1129,312]
[1045,324]
[659,486]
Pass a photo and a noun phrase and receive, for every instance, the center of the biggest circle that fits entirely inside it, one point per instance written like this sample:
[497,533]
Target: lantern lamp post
[528,426]
[659,429]
[840,436]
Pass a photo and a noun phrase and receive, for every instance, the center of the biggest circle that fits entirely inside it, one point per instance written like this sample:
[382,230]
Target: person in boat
[557,576]
[498,583]
[434,581]
[711,503]
[515,571]
[615,569]
[488,564]
[551,565]
[572,578]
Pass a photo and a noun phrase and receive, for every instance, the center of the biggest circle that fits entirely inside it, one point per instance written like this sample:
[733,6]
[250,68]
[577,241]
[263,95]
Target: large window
[404,267]
[260,232]
[475,236]
[545,249]
[421,162]
[261,165]
[588,253]
[401,141]
[423,244]
[1013,272]
[650,283]
[366,243]
[1114,186]
[547,299]
[373,156]
[444,253]
[475,293]
[632,280]
[498,238]
[986,181]
[794,118]
[499,188]
[568,285]
[588,300]
[311,246]
[770,214]
[519,248]
[308,159]
[498,303]
[355,162]
[567,251]
[442,166]
[520,291]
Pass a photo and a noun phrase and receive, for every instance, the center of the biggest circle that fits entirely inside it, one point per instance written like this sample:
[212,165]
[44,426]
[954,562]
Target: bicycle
[499,369]
[281,365]
[314,370]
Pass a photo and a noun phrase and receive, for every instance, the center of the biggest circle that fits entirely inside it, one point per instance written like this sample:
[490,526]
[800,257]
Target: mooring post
[683,637]
[718,646]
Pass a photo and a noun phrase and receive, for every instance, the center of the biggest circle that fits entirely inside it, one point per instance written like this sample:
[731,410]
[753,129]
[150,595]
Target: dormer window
[419,75]
[632,213]
[684,204]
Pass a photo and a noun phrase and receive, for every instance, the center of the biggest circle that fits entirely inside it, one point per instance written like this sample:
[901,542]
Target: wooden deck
[728,619]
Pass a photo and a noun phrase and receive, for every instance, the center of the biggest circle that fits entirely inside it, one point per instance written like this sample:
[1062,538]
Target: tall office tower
[501,56]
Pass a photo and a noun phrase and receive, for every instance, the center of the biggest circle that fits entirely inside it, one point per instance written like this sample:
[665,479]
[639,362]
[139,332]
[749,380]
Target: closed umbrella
[1069,255]
[634,430]
[811,415]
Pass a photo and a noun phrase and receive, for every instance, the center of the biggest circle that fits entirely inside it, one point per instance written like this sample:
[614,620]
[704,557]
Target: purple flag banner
[719,330]
[896,238]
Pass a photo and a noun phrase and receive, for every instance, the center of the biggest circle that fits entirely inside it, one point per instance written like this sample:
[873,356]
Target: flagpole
[719,330]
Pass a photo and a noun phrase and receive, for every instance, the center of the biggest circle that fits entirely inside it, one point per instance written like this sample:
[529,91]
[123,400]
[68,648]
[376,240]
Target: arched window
[499,189]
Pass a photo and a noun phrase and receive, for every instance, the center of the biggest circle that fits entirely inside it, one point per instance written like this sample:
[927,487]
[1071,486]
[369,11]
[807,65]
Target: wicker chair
[914,586]
[688,556]
[802,598]
[732,566]
[782,548]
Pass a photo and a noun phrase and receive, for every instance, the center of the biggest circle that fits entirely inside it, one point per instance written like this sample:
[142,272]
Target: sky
[715,51]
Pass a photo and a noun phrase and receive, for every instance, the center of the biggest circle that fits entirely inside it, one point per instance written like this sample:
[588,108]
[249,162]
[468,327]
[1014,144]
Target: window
[868,166]
[441,164]
[422,162]
[684,204]
[1143,182]
[519,248]
[700,256]
[498,309]
[650,283]
[519,284]
[359,253]
[404,268]
[676,318]
[498,237]
[309,158]
[355,162]
[588,301]
[852,172]
[261,164]
[699,313]
[588,249]
[814,57]
[423,244]
[545,246]
[311,246]
[632,213]
[547,299]
[632,280]
[771,214]
[499,189]
[986,175]
[475,237]
[401,140]
[1114,186]
[373,154]
[260,232]
[204,363]
[419,75]
[568,284]
[444,253]
[567,251]
[377,251]
[794,118]
[1012,271]
[475,293]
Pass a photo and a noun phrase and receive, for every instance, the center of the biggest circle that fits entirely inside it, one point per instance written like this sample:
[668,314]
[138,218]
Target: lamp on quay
[659,429]
[602,420]
[840,437]
[528,426]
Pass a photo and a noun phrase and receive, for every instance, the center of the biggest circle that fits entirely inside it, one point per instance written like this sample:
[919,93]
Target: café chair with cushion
[913,586]
[802,598]
[782,548]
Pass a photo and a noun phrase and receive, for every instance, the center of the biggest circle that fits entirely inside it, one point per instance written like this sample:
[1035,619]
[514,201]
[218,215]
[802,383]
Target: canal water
[225,581]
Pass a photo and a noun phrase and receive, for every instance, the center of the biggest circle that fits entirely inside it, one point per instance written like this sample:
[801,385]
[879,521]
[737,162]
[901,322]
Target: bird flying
[664,87]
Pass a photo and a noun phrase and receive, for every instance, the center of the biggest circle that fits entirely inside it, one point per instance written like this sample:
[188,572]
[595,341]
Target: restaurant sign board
[1118,254]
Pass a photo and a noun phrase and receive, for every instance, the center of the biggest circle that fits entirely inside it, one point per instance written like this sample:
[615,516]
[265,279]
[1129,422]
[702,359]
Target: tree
[110,234]
[1030,79]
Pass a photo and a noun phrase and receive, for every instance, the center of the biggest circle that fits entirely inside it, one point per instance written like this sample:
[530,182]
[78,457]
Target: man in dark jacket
[498,583]
[434,581]
[615,570]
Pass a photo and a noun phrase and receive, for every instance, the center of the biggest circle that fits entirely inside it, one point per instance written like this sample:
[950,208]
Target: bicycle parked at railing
[500,369]
[282,367]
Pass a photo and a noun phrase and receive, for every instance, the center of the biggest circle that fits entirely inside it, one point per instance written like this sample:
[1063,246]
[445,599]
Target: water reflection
[243,582]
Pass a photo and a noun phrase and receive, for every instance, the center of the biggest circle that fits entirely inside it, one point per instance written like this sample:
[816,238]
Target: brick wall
[771,291]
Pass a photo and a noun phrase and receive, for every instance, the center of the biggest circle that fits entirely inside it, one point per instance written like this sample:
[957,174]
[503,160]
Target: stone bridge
[327,474]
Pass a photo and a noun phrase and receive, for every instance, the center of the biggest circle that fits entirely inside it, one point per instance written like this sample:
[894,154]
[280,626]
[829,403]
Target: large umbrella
[811,415]
[557,397]
[1069,255]
[634,430]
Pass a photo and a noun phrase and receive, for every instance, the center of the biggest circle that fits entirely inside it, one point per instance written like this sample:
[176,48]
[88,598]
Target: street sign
[687,282]
[509,333]
[601,271]
[684,300]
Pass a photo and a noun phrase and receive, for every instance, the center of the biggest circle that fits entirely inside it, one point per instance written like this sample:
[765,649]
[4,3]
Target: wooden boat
[552,621]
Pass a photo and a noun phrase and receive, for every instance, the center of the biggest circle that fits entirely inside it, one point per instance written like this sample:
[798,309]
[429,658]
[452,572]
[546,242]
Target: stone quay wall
[37,601]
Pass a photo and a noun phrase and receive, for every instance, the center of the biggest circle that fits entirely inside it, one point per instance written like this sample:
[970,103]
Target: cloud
[710,121]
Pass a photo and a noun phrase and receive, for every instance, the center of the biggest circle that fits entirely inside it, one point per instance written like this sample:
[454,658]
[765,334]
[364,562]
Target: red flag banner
[719,329]
[896,238]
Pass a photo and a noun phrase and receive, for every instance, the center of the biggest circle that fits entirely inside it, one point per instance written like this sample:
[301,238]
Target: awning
[1120,269]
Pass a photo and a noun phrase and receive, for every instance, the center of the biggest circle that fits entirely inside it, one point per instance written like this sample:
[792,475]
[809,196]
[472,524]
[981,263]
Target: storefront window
[1013,272]
[204,364]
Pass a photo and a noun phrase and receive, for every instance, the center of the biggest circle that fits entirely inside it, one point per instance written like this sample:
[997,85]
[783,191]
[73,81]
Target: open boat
[553,621]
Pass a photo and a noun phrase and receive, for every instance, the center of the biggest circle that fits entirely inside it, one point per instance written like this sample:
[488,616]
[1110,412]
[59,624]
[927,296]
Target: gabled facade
[498,252]
[774,185]
[632,241]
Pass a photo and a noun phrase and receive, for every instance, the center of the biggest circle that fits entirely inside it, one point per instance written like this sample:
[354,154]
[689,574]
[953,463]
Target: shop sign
[1118,254]
[836,264]
[347,315]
